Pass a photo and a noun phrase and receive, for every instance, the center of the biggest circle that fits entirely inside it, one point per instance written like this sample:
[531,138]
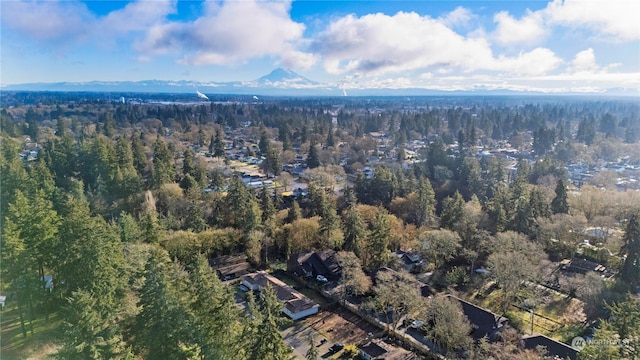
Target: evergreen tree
[89,331]
[630,272]
[452,211]
[32,127]
[189,161]
[539,207]
[212,144]
[330,233]
[13,173]
[264,142]
[29,236]
[90,257]
[354,229]
[130,231]
[331,141]
[217,327]
[243,211]
[383,187]
[163,325]
[313,159]
[163,169]
[266,204]
[522,219]
[312,353]
[218,145]
[139,156]
[294,212]
[377,247]
[271,163]
[268,343]
[560,204]
[60,126]
[195,218]
[426,203]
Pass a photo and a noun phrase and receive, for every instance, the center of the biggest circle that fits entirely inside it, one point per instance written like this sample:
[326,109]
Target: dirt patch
[340,325]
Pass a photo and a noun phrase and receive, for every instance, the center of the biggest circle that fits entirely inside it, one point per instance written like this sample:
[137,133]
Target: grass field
[41,345]
[556,315]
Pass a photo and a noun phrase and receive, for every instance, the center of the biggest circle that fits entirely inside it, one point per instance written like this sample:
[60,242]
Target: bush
[351,351]
[516,322]
[457,275]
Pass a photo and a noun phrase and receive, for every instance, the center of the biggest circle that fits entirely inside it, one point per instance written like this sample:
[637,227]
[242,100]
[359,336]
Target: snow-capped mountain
[285,78]
[280,82]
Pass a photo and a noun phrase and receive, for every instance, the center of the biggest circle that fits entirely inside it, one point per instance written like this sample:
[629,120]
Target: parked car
[417,324]
[336,347]
[321,279]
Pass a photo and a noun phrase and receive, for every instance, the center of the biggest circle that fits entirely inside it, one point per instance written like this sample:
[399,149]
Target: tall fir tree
[377,246]
[243,211]
[268,343]
[163,325]
[452,211]
[630,272]
[89,331]
[354,229]
[426,203]
[217,326]
[560,203]
[313,158]
[163,168]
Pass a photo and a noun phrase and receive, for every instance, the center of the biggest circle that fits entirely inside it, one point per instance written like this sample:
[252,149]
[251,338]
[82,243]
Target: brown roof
[233,269]
[293,300]
[227,260]
[373,349]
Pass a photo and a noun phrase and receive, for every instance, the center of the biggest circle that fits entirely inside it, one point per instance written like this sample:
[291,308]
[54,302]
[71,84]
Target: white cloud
[378,44]
[529,29]
[231,32]
[615,19]
[297,59]
[137,16]
[48,21]
[460,16]
[535,62]
[561,83]
[585,61]
[66,22]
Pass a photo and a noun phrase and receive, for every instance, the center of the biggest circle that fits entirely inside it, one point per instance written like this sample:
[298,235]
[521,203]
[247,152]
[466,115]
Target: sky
[550,46]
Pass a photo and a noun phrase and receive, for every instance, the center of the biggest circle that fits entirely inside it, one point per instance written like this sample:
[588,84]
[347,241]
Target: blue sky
[552,46]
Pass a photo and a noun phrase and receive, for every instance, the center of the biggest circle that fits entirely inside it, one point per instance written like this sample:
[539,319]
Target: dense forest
[111,212]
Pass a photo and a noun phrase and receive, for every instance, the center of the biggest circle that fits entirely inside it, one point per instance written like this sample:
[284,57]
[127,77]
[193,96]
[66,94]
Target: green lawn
[40,345]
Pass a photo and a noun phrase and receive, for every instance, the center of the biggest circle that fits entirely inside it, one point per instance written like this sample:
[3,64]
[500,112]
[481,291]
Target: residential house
[483,322]
[554,348]
[377,349]
[581,266]
[312,264]
[411,261]
[373,350]
[230,266]
[296,305]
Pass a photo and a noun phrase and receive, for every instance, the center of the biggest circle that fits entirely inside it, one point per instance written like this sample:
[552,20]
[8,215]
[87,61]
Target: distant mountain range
[280,82]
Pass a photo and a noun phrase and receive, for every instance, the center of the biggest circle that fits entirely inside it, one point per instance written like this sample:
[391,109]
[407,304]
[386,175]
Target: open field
[556,315]
[41,345]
